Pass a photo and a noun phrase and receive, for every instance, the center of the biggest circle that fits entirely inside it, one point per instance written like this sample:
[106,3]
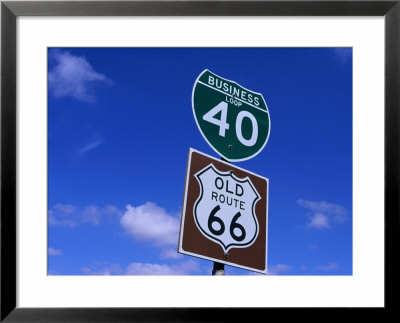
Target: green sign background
[210,90]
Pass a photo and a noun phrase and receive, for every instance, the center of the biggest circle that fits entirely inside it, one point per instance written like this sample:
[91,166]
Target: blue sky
[120,125]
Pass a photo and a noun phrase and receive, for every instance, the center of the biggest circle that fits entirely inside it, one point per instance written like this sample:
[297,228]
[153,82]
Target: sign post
[224,215]
[218,269]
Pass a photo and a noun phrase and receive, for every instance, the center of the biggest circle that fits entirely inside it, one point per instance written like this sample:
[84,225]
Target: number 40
[223,125]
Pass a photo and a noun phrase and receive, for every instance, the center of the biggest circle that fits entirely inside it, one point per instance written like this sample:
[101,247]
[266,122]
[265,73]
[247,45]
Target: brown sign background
[193,242]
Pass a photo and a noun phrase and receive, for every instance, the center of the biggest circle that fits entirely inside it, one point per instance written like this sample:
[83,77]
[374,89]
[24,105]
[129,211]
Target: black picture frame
[10,10]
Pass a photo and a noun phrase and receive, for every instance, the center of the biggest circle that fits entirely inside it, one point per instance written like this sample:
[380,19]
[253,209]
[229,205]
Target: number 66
[234,225]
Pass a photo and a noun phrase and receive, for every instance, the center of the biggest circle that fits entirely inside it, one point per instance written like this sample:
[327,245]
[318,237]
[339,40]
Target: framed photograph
[148,146]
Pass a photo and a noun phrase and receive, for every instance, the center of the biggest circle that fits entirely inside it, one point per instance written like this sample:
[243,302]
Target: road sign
[224,214]
[232,119]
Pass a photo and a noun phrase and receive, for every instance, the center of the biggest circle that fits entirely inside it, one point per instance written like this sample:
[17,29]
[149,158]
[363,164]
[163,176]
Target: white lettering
[254,135]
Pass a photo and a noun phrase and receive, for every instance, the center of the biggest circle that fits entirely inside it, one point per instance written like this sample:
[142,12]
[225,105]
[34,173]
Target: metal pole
[218,268]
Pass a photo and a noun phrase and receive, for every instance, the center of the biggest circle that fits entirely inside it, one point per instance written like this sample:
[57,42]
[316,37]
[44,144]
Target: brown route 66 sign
[224,214]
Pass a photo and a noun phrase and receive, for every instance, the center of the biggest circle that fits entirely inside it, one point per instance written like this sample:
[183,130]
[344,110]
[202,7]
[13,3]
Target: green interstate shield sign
[232,119]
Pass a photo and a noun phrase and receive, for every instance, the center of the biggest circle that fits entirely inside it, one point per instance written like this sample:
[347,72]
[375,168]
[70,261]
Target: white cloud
[330,267]
[95,214]
[323,214]
[343,53]
[73,76]
[103,268]
[152,223]
[70,216]
[170,254]
[54,252]
[319,221]
[337,210]
[62,215]
[277,269]
[182,268]
[138,268]
[93,143]
[147,222]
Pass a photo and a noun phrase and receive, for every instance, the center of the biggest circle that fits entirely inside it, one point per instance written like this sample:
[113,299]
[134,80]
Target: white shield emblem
[225,209]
